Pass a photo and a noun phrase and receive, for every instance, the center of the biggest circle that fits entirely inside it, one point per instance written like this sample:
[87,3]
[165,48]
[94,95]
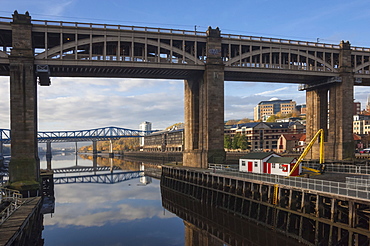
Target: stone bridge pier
[204,109]
[24,167]
[331,108]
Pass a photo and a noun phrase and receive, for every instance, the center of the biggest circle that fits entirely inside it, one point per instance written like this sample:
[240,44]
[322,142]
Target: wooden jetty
[24,226]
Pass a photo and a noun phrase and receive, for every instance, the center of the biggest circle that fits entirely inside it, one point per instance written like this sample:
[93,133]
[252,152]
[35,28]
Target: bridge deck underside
[121,72]
[252,75]
[278,76]
[156,71]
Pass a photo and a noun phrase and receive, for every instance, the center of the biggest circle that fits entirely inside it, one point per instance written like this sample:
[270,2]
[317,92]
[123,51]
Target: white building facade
[145,126]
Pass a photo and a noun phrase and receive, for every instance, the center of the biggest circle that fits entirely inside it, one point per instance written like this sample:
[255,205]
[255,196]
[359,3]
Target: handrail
[353,169]
[15,199]
[6,19]
[333,187]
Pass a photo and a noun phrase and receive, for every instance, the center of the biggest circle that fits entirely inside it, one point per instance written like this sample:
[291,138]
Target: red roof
[356,137]
[291,137]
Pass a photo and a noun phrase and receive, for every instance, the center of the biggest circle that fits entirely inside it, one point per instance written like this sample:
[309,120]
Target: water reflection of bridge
[106,178]
[80,169]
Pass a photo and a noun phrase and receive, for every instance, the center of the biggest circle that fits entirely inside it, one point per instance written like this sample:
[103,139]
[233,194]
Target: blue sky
[82,103]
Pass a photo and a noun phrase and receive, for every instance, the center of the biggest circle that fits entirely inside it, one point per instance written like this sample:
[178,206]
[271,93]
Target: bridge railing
[116,27]
[181,32]
[339,188]
[6,19]
[14,198]
[280,41]
[341,168]
[360,183]
[223,167]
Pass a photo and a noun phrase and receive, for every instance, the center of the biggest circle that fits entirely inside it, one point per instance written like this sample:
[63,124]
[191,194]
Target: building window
[243,163]
[255,164]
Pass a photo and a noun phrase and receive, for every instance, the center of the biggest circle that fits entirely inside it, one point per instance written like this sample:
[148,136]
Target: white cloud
[90,103]
[271,92]
[89,218]
[4,103]
[56,7]
[125,203]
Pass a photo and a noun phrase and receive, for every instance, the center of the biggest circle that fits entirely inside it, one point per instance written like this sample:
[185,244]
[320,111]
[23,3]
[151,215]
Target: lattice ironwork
[101,134]
[109,178]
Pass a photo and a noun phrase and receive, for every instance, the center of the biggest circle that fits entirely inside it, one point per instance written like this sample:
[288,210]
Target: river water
[131,213]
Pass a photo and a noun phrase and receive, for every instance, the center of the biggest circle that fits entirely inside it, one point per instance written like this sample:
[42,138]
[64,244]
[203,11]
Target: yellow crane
[308,148]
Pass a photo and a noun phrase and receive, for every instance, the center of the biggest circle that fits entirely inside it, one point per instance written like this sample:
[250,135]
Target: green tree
[235,141]
[227,142]
[242,142]
[272,118]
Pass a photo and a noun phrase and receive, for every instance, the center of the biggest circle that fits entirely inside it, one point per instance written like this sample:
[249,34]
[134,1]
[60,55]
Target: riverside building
[265,109]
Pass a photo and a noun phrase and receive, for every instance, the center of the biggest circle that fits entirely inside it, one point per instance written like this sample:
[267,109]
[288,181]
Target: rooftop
[257,155]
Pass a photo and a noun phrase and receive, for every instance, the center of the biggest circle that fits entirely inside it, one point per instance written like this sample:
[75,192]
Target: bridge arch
[55,51]
[278,50]
[360,67]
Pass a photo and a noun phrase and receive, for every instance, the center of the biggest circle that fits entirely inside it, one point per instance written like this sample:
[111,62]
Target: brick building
[263,136]
[291,142]
[163,141]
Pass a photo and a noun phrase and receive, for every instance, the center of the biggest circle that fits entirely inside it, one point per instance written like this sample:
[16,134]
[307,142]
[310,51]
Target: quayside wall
[165,157]
[208,225]
[310,216]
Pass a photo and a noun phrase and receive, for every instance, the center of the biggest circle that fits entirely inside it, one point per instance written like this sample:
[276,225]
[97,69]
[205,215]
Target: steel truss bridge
[75,49]
[109,178]
[98,134]
[77,169]
[80,169]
